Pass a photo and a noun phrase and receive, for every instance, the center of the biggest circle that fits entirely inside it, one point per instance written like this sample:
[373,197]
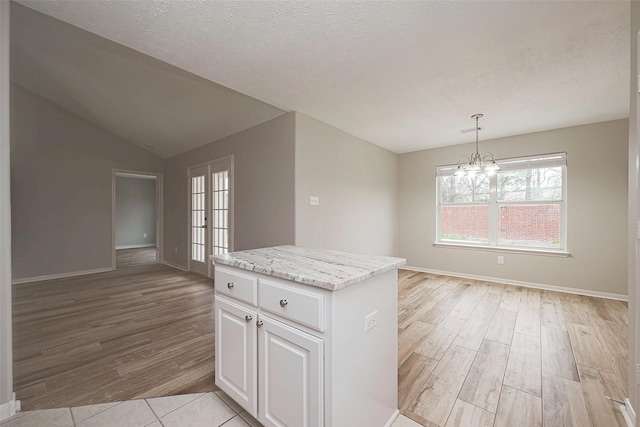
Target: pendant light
[469,166]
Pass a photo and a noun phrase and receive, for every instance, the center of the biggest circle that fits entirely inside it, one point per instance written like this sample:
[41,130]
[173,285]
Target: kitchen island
[308,337]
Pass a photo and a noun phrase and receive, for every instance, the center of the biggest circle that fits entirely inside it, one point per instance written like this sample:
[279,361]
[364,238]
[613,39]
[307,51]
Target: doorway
[137,219]
[210,212]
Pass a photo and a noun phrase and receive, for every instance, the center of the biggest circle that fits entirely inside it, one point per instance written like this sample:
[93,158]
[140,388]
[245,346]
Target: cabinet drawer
[305,307]
[237,285]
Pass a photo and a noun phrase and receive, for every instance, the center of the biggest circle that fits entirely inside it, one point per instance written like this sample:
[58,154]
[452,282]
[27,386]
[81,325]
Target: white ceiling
[403,75]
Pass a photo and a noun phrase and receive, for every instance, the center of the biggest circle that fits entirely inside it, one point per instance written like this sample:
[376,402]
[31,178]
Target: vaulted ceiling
[405,75]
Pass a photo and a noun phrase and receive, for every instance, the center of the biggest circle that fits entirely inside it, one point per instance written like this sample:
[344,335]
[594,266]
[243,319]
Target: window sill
[542,252]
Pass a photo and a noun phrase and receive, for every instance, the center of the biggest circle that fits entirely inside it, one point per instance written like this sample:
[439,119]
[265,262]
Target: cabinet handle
[230,285]
[248,318]
[259,323]
[283,303]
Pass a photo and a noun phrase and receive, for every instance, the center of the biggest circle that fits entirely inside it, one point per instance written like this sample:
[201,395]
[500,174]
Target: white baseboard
[393,418]
[628,413]
[9,409]
[170,264]
[142,245]
[60,276]
[575,291]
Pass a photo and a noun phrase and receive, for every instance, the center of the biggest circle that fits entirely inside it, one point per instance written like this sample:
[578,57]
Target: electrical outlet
[175,249]
[500,260]
[370,320]
[144,235]
[314,200]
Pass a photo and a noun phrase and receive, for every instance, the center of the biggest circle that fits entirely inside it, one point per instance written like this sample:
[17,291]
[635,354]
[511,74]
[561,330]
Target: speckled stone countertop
[326,269]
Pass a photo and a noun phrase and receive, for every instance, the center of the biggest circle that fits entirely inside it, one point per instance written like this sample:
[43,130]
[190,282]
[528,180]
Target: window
[523,206]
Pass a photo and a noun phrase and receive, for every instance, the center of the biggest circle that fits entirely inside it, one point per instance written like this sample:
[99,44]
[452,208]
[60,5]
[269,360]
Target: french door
[210,213]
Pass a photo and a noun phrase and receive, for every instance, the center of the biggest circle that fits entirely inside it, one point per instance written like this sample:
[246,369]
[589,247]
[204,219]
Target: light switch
[314,200]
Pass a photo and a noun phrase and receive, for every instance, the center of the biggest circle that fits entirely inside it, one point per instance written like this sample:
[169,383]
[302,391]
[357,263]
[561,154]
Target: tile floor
[187,410]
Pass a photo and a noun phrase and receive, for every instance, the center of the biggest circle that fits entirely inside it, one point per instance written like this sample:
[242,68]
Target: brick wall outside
[530,222]
[518,223]
[470,221]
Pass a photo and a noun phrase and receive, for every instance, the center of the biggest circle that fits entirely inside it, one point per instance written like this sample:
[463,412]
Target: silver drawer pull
[230,285]
[259,323]
[283,303]
[248,318]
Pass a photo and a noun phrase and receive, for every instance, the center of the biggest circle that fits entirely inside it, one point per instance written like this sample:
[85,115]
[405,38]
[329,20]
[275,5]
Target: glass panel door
[210,213]
[220,212]
[198,208]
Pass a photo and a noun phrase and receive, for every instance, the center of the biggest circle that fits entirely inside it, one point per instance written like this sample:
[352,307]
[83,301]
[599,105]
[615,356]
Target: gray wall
[263,188]
[634,199]
[6,350]
[356,182]
[597,210]
[61,178]
[135,212]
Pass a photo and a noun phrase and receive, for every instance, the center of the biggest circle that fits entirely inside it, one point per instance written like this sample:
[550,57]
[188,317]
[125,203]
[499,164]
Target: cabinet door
[290,367]
[236,361]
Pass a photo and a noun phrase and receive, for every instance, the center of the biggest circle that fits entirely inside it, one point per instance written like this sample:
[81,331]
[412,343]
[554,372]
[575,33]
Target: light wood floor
[470,353]
[481,354]
[140,332]
[126,258]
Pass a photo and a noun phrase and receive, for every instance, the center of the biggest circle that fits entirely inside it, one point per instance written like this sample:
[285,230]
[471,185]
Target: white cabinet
[290,376]
[238,285]
[236,358]
[287,360]
[295,355]
[303,306]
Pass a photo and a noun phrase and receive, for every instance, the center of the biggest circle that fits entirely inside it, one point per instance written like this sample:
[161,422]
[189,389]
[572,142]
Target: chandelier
[469,166]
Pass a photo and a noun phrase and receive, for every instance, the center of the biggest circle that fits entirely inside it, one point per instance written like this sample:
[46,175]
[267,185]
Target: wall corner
[7,397]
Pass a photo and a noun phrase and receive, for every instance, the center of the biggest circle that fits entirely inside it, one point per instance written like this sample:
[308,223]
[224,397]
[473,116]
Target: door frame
[159,217]
[229,159]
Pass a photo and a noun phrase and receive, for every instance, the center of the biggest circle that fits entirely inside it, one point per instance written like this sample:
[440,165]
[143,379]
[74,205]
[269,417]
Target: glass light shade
[472,168]
[492,167]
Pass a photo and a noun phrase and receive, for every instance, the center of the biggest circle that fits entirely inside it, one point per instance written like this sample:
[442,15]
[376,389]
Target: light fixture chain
[477,129]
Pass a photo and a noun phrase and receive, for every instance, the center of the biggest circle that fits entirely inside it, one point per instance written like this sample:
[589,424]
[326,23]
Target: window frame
[492,244]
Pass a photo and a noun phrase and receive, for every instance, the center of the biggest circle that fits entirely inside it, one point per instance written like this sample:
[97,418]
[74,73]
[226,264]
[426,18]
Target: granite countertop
[325,269]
